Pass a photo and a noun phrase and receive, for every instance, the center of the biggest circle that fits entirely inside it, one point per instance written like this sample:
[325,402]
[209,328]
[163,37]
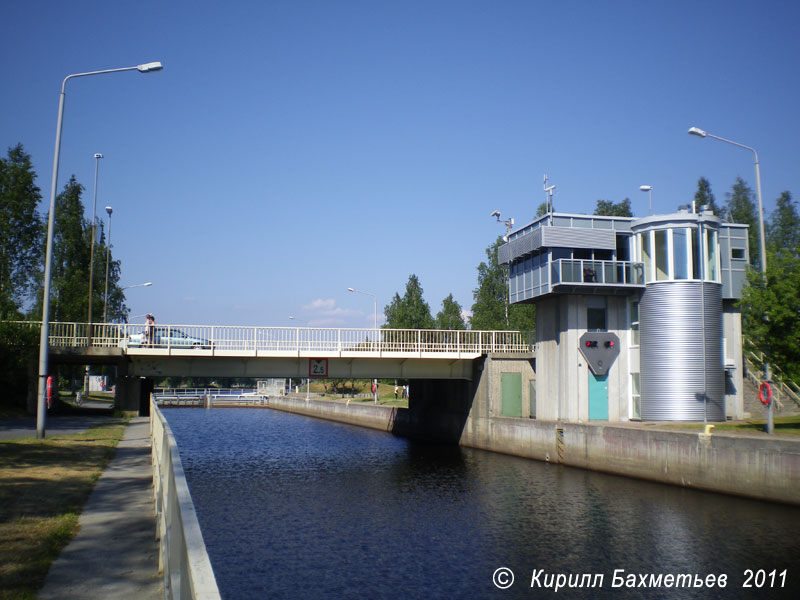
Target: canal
[296,507]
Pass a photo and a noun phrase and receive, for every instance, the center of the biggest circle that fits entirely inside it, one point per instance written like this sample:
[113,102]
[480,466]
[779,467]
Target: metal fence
[221,339]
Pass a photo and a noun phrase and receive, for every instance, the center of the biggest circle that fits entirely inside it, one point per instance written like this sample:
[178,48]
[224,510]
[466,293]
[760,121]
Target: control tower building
[636,318]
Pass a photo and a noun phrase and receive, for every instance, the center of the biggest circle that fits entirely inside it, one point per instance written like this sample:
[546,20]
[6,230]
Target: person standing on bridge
[149,328]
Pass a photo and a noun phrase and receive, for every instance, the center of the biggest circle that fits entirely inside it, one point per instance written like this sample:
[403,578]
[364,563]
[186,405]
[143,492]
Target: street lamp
[375,300]
[696,131]
[649,190]
[109,210]
[44,338]
[97,158]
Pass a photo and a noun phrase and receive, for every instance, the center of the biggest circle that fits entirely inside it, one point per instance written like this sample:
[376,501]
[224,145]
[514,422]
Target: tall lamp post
[696,131]
[97,158]
[308,379]
[649,190]
[44,338]
[109,210]
[375,301]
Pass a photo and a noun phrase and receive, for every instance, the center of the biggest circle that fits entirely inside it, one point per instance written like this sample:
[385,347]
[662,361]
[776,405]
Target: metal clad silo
[681,370]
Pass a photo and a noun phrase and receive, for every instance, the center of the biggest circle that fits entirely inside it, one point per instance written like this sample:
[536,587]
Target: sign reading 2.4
[317,367]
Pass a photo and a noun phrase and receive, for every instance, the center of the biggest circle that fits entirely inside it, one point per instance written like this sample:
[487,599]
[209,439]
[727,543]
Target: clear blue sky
[290,150]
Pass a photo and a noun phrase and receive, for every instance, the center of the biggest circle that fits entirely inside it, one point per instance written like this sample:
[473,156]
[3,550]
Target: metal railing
[753,360]
[222,339]
[596,272]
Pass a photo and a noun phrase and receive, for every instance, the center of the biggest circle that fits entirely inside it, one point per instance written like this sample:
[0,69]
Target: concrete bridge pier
[461,411]
[132,396]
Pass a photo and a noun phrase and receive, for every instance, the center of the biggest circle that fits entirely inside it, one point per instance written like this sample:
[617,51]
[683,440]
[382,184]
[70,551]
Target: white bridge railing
[238,340]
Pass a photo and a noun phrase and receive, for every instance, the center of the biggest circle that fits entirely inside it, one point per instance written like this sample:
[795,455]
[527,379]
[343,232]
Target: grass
[783,426]
[43,487]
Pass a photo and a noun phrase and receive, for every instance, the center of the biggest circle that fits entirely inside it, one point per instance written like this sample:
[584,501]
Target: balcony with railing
[584,272]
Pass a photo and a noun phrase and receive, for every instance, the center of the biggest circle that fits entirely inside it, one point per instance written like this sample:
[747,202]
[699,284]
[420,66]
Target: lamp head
[98,155]
[148,67]
[495,213]
[549,188]
[109,210]
[350,290]
[645,188]
[697,131]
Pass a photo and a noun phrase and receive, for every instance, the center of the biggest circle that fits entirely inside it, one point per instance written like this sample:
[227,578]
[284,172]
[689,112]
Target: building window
[662,264]
[634,324]
[680,254]
[636,397]
[596,319]
[711,253]
[645,244]
[737,253]
[696,274]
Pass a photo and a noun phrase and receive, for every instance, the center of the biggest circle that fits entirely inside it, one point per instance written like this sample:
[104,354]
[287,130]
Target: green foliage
[491,310]
[771,314]
[491,295]
[18,347]
[783,231]
[541,210]
[704,197]
[450,316]
[742,209]
[411,311]
[20,232]
[610,209]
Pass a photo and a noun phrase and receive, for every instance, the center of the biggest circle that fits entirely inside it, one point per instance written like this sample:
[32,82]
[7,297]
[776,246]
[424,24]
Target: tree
[704,197]
[609,209]
[20,232]
[783,230]
[491,310]
[450,315]
[69,275]
[771,313]
[541,210]
[411,311]
[742,209]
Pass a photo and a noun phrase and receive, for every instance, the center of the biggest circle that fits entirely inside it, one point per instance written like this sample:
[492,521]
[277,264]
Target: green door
[598,397]
[511,386]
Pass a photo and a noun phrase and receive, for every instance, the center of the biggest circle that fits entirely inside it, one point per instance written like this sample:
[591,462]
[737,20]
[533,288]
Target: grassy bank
[43,487]
[783,426]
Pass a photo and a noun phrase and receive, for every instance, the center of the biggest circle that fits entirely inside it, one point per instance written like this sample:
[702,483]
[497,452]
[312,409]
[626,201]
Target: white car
[167,337]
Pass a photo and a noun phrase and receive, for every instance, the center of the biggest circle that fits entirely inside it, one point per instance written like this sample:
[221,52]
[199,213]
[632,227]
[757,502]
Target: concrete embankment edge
[750,466]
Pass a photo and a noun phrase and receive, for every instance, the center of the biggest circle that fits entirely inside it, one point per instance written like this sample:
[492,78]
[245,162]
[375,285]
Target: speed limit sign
[317,367]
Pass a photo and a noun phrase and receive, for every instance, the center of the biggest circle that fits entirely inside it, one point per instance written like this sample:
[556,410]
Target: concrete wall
[754,466]
[562,382]
[734,379]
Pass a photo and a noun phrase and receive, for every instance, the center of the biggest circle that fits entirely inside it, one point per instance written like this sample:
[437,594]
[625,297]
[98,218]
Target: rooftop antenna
[548,190]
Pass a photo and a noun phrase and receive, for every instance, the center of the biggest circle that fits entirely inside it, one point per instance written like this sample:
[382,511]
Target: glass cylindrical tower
[680,318]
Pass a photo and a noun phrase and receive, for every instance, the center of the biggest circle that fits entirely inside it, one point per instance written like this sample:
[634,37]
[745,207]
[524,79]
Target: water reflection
[294,507]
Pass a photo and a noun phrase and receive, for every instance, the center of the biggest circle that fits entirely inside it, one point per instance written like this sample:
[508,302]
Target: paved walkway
[115,554]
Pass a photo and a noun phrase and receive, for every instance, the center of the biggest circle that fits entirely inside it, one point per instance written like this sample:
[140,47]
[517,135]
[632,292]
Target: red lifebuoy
[765,393]
[49,391]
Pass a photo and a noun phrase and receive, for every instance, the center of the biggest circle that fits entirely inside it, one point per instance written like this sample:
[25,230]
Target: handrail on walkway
[226,338]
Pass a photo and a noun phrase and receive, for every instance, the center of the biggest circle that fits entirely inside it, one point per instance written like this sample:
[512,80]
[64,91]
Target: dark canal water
[294,507]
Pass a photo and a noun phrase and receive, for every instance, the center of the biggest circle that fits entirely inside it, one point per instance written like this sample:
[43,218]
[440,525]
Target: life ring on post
[765,393]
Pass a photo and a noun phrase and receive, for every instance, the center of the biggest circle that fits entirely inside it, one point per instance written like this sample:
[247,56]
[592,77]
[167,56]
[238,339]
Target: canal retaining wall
[754,466]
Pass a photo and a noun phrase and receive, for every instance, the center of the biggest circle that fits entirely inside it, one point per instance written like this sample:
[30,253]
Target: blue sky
[290,150]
